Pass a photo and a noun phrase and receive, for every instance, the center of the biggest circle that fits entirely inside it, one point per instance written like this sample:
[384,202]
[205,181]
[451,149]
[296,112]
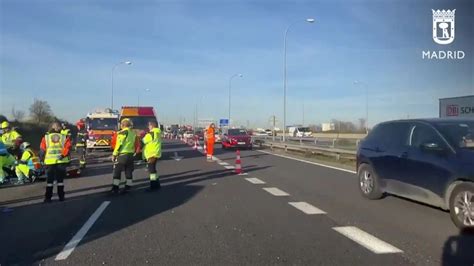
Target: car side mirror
[432,147]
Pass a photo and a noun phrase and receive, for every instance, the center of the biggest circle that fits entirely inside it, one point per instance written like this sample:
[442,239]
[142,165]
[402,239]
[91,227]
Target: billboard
[457,107]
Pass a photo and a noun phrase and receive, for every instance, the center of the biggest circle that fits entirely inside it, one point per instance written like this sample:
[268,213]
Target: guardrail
[308,150]
[340,143]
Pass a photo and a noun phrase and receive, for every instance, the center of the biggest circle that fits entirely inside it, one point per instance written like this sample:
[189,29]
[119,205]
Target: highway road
[282,212]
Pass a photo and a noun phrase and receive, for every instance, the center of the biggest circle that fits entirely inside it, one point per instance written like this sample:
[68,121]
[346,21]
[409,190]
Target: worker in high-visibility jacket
[210,139]
[11,138]
[126,146]
[65,131]
[81,139]
[55,147]
[152,152]
[26,164]
[7,161]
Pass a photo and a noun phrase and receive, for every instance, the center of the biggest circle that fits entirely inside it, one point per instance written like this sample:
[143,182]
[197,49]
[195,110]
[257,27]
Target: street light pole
[309,20]
[113,69]
[230,88]
[366,104]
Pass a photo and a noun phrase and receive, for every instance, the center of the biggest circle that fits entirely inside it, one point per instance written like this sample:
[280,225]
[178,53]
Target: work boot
[154,185]
[61,193]
[114,190]
[48,195]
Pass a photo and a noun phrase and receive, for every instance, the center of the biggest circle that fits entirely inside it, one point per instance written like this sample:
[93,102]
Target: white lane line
[229,167]
[313,163]
[71,245]
[254,180]
[367,240]
[306,208]
[223,163]
[275,191]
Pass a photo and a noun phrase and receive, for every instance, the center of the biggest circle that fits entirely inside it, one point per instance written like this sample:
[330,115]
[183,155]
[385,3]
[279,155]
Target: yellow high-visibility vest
[55,143]
[152,141]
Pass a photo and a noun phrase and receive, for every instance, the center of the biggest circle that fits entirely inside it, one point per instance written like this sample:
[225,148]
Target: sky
[183,54]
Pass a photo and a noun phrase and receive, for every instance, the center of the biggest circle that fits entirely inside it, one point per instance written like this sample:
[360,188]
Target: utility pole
[273,123]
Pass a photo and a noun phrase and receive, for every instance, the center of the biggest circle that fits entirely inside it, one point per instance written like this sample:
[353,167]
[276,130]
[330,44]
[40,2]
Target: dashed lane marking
[275,191]
[366,240]
[255,181]
[223,163]
[313,163]
[306,208]
[71,245]
[229,167]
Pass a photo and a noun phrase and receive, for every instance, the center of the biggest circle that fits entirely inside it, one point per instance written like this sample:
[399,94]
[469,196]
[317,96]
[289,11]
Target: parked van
[299,132]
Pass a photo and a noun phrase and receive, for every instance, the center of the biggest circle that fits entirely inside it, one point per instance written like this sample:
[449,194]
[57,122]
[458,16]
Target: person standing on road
[152,152]
[81,139]
[210,138]
[55,147]
[65,131]
[125,148]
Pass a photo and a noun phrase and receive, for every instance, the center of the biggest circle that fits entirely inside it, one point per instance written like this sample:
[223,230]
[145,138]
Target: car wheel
[461,205]
[369,182]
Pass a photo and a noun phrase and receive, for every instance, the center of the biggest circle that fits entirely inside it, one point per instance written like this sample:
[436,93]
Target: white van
[299,132]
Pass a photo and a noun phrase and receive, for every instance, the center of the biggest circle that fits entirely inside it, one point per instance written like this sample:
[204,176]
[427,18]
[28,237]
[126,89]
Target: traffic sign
[223,122]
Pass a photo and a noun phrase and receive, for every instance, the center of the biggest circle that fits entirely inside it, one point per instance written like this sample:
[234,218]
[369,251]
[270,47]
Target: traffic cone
[195,145]
[238,166]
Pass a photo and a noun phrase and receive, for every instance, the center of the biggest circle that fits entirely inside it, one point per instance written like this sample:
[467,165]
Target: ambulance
[101,125]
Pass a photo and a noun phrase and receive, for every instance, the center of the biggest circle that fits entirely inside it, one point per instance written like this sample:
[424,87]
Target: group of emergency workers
[17,156]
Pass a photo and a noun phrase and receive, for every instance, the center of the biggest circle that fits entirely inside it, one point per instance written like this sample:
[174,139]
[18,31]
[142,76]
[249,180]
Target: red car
[236,138]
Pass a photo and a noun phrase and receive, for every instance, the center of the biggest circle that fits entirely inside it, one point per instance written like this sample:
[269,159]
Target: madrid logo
[443,26]
[443,33]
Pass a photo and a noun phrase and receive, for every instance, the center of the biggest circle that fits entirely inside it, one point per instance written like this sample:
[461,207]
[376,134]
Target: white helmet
[25,145]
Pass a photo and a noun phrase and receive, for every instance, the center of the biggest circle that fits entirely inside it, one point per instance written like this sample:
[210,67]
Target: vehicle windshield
[141,122]
[103,124]
[237,132]
[303,129]
[458,134]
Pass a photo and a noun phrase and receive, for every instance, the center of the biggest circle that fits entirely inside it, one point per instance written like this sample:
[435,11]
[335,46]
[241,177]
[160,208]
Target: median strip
[275,191]
[306,208]
[366,240]
[255,181]
[76,239]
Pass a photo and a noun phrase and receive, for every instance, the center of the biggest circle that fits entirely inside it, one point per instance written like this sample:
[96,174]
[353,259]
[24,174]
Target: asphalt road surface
[283,212]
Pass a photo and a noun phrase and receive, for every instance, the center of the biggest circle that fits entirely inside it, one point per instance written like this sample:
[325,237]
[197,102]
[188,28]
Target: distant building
[328,127]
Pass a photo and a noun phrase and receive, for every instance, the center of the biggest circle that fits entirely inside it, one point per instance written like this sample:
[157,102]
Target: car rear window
[389,135]
[237,132]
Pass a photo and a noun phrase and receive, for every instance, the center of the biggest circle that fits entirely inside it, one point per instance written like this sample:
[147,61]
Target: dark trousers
[124,163]
[81,151]
[154,178]
[55,172]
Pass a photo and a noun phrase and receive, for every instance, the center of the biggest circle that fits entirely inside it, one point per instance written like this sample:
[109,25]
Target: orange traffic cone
[238,166]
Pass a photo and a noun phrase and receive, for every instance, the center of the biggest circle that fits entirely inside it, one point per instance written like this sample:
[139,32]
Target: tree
[40,111]
[17,115]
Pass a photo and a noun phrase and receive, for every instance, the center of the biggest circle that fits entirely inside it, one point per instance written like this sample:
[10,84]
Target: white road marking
[313,163]
[306,208]
[71,245]
[223,163]
[275,191]
[229,167]
[254,180]
[367,240]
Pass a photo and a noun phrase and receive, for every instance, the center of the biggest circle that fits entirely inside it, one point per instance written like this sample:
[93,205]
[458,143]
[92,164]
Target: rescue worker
[152,152]
[81,140]
[56,148]
[26,164]
[65,131]
[210,138]
[125,149]
[11,138]
[7,161]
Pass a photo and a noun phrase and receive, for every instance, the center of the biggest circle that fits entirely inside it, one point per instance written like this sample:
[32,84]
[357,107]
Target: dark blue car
[427,160]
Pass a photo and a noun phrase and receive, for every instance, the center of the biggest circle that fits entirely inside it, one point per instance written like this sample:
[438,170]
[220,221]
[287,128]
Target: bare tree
[40,111]
[17,115]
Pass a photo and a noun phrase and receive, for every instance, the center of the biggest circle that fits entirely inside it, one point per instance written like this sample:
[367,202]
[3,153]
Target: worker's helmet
[25,145]
[126,122]
[80,124]
[5,124]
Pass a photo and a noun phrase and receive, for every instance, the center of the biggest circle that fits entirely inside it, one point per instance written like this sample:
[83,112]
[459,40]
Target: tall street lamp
[366,104]
[309,20]
[113,69]
[230,87]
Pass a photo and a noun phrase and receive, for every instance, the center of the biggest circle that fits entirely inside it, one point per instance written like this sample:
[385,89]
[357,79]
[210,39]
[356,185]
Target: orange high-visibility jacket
[210,134]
